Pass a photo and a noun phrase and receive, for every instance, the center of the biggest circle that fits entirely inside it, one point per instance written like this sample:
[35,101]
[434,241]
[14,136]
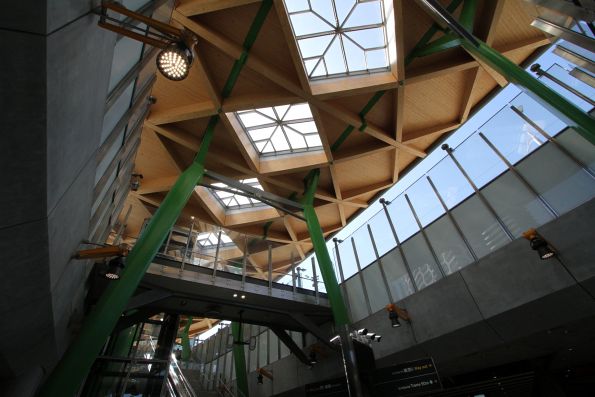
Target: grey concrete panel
[23,116]
[511,277]
[28,338]
[25,385]
[465,341]
[77,81]
[573,236]
[62,12]
[286,368]
[68,225]
[25,274]
[441,308]
[553,310]
[393,339]
[26,16]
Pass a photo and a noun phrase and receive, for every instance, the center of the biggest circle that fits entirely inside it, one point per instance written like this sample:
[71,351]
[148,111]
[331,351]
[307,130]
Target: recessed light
[243,296]
[235,295]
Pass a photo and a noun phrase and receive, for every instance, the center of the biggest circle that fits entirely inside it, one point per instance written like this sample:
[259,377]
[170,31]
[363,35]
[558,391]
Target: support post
[70,372]
[554,102]
[332,287]
[239,360]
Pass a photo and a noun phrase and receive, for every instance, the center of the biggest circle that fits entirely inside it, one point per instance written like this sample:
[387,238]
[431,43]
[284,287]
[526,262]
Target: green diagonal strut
[239,359]
[324,259]
[72,369]
[68,376]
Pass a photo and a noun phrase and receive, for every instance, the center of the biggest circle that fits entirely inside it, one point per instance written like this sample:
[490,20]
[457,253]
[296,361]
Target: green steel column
[186,349]
[239,360]
[324,259]
[70,372]
[335,298]
[554,102]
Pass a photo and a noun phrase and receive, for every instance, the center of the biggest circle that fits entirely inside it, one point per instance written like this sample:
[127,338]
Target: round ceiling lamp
[174,61]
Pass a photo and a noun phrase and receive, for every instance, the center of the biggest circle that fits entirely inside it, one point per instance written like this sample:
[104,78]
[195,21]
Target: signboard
[419,376]
[328,388]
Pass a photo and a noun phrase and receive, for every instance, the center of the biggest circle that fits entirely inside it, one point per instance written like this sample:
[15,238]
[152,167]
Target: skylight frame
[282,126]
[339,33]
[233,198]
[213,240]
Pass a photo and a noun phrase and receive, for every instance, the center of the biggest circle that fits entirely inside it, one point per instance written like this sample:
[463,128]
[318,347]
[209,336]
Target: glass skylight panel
[281,129]
[339,37]
[209,239]
[231,200]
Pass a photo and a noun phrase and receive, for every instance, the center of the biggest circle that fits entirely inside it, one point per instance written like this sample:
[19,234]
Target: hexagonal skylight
[281,129]
[231,200]
[339,37]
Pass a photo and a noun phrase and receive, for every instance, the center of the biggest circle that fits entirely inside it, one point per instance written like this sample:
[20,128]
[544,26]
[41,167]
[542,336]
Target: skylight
[209,239]
[339,37]
[231,200]
[281,129]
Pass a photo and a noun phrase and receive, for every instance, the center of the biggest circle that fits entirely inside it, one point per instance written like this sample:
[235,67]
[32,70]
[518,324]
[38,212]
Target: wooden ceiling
[432,96]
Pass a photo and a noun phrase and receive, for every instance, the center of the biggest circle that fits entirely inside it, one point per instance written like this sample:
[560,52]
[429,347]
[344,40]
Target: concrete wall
[509,306]
[56,70]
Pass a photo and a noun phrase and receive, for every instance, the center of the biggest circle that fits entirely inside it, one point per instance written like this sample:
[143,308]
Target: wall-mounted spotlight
[539,244]
[395,313]
[114,268]
[362,331]
[135,181]
[262,373]
[176,56]
[377,338]
[312,357]
[384,201]
[174,61]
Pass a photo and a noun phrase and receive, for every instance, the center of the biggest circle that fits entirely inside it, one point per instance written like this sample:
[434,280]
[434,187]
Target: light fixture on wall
[176,56]
[114,268]
[312,357]
[395,313]
[259,378]
[135,181]
[174,61]
[539,244]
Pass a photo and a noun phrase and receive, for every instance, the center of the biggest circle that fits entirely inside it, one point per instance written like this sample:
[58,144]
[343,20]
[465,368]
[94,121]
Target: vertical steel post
[244,262]
[336,241]
[186,248]
[452,219]
[338,307]
[216,257]
[166,247]
[478,193]
[552,140]
[239,360]
[399,247]
[360,275]
[425,236]
[556,103]
[520,177]
[270,263]
[292,273]
[70,372]
[380,265]
[315,280]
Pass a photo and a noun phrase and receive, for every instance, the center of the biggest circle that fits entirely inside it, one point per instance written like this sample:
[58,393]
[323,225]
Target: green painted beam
[74,366]
[257,23]
[443,43]
[467,16]
[435,28]
[583,123]
[186,349]
[239,360]
[325,264]
[362,114]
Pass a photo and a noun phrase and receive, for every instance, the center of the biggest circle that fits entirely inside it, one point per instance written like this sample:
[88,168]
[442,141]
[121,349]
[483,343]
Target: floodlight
[174,61]
[114,268]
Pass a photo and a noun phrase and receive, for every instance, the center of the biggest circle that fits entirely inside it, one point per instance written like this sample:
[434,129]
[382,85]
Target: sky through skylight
[235,201]
[281,129]
[339,37]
